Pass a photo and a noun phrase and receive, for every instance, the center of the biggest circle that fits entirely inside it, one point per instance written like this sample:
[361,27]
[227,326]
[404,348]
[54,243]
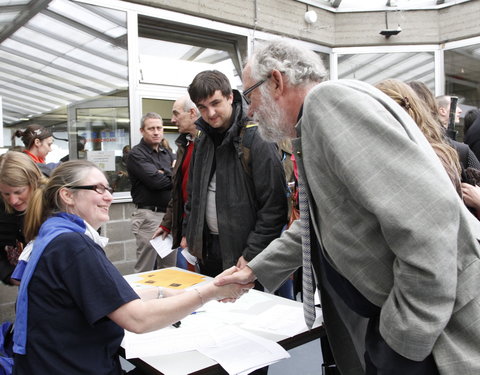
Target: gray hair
[147,116]
[443,101]
[300,65]
[188,104]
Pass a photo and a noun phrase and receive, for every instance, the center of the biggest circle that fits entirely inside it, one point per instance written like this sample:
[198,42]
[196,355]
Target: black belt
[151,208]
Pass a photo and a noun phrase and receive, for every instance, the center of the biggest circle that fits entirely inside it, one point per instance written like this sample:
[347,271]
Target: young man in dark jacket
[234,210]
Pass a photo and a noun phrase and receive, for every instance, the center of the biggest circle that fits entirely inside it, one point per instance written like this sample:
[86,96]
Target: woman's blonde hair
[18,170]
[46,200]
[407,98]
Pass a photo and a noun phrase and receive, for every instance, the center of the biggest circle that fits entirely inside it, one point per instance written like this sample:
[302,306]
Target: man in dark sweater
[149,168]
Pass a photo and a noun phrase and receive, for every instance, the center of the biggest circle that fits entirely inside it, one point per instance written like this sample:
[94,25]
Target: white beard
[271,119]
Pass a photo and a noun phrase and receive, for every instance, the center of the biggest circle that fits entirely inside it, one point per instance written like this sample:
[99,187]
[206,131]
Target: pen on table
[177,324]
[197,312]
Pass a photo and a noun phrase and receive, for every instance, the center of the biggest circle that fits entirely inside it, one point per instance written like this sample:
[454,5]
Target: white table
[195,363]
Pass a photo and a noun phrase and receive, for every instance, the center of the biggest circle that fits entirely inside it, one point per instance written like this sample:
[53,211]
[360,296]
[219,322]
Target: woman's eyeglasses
[99,188]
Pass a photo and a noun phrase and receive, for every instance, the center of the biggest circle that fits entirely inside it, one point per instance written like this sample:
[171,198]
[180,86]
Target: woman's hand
[471,195]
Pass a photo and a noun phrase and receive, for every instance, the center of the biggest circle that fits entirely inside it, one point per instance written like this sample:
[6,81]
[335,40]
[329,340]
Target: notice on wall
[105,160]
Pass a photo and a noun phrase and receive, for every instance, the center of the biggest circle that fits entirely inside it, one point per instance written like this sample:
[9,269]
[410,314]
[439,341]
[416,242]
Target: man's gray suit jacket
[390,222]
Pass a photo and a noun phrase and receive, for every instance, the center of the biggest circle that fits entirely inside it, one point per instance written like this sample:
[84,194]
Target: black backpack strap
[247,134]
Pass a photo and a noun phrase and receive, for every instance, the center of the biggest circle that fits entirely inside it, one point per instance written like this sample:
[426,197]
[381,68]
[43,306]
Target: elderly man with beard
[393,249]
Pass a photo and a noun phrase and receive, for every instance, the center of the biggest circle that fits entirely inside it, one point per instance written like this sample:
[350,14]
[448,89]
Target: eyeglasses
[99,188]
[247,92]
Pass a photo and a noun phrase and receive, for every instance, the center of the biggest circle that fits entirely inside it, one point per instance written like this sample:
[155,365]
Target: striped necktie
[308,296]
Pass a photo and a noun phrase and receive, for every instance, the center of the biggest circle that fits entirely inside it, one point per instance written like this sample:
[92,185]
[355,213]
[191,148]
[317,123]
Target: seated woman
[75,302]
[19,178]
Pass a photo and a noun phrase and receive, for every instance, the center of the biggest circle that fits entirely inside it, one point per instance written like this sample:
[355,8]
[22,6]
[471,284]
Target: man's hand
[231,277]
[234,275]
[241,262]
[160,231]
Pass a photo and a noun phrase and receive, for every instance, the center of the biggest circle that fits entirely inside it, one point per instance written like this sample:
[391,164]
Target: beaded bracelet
[199,295]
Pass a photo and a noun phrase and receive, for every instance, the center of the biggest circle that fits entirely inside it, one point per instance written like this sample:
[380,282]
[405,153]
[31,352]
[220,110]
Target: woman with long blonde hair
[19,178]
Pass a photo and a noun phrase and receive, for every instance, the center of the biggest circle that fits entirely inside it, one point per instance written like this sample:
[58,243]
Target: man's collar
[300,114]
[151,148]
[298,127]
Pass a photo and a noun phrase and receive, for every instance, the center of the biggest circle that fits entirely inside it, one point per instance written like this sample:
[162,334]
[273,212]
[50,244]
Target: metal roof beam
[355,68]
[12,103]
[51,76]
[103,13]
[49,64]
[24,96]
[66,57]
[68,95]
[76,45]
[31,93]
[215,58]
[335,3]
[12,8]
[81,27]
[23,17]
[192,53]
[404,61]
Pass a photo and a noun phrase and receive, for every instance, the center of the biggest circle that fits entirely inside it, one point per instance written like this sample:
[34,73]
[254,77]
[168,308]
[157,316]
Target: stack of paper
[220,342]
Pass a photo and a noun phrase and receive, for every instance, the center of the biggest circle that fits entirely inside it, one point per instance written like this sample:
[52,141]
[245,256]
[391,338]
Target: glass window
[66,68]
[462,79]
[375,67]
[462,74]
[166,46]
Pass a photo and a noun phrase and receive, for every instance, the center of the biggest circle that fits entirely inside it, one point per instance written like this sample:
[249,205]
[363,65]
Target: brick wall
[121,250]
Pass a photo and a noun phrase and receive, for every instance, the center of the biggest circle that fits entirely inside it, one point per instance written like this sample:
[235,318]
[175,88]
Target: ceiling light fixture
[311,17]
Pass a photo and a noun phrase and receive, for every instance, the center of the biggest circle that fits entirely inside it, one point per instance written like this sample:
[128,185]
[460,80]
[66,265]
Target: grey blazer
[389,221]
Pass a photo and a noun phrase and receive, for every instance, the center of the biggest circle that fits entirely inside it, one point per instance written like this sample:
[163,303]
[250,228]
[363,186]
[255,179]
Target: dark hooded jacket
[11,234]
[173,218]
[472,137]
[251,209]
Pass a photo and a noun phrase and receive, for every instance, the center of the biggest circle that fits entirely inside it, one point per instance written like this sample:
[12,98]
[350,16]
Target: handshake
[232,283]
